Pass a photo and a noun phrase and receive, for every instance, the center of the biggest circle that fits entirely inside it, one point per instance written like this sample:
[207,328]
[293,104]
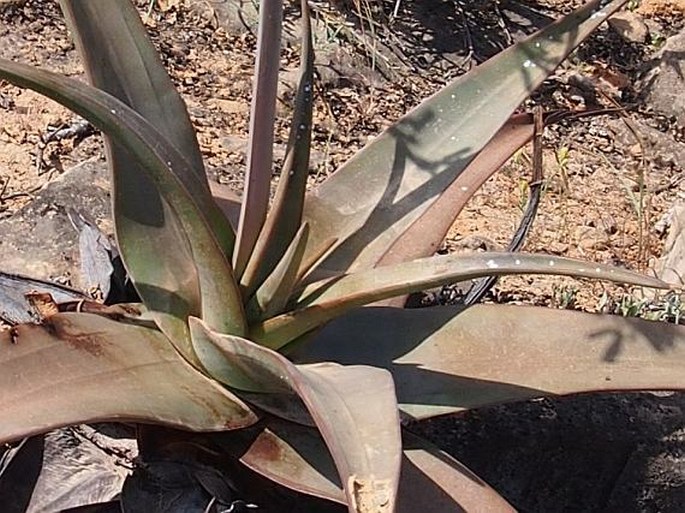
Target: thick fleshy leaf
[360,429]
[325,300]
[290,454]
[221,302]
[273,295]
[434,482]
[379,193]
[424,236]
[75,368]
[296,457]
[446,359]
[285,216]
[260,145]
[120,59]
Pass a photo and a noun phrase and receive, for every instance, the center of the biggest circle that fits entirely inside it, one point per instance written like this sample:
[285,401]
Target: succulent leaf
[361,430]
[76,368]
[221,301]
[370,201]
[273,295]
[303,461]
[324,300]
[424,236]
[260,145]
[285,216]
[168,281]
[113,33]
[431,476]
[447,359]
[431,480]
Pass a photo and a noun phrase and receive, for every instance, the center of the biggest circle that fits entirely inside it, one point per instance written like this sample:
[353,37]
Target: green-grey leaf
[120,59]
[296,457]
[221,302]
[446,359]
[377,195]
[424,236]
[433,477]
[303,462]
[260,383]
[76,368]
[260,145]
[285,216]
[360,429]
[426,233]
[272,296]
[327,299]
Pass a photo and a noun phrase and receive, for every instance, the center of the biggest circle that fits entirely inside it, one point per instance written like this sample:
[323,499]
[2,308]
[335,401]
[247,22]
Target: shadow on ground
[587,454]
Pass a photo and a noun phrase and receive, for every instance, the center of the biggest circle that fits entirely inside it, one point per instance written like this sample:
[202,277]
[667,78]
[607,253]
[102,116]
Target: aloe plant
[255,340]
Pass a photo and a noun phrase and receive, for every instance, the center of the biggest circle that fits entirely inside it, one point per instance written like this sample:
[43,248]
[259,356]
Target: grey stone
[664,83]
[671,266]
[630,26]
[40,241]
[659,147]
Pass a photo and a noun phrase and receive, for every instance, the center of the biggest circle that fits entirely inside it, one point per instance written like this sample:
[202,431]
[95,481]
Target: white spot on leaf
[491,264]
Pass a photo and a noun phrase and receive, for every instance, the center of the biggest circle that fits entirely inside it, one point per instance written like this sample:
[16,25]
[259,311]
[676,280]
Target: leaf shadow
[660,335]
[445,392]
[412,143]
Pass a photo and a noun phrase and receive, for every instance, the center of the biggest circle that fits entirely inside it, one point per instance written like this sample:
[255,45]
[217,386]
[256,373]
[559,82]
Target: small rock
[671,266]
[629,26]
[656,30]
[230,106]
[660,148]
[40,241]
[557,248]
[664,83]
